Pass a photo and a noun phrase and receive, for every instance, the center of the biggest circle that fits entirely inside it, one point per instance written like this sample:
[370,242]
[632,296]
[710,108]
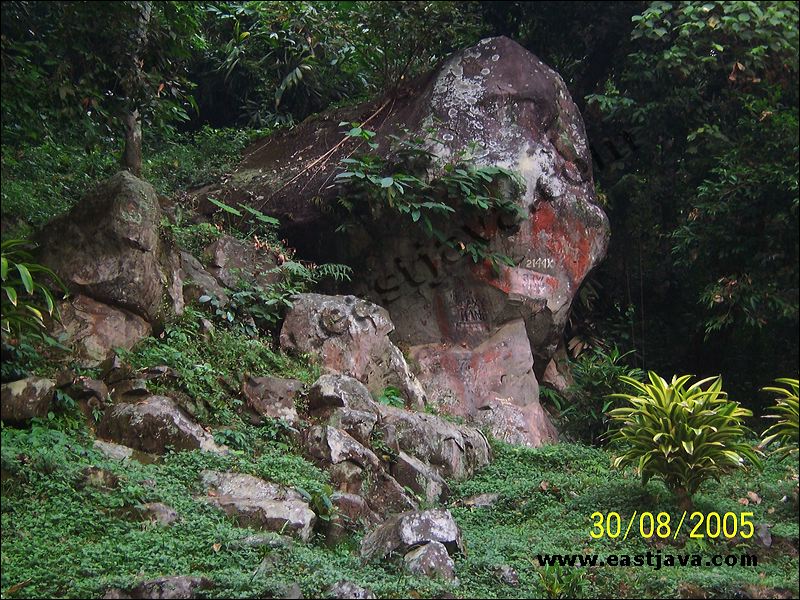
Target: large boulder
[259,504]
[272,397]
[153,425]
[443,448]
[26,399]
[94,329]
[350,336]
[406,531]
[457,318]
[109,248]
[355,469]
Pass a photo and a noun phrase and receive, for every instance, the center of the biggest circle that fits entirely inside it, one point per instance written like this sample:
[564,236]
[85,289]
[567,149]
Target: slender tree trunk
[132,155]
[133,82]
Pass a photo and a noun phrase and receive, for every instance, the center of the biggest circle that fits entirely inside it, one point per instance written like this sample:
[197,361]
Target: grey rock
[401,533]
[272,397]
[153,424]
[431,560]
[351,337]
[26,399]
[348,589]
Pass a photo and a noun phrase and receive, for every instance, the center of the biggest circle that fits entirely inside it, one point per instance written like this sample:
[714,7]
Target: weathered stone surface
[454,450]
[357,423]
[333,446]
[198,282]
[272,396]
[95,329]
[129,390]
[153,424]
[113,451]
[158,512]
[406,531]
[507,575]
[518,111]
[259,504]
[351,337]
[352,513]
[231,261]
[414,474]
[84,387]
[177,587]
[333,391]
[431,560]
[348,589]
[482,500]
[492,383]
[26,399]
[557,373]
[355,469]
[108,247]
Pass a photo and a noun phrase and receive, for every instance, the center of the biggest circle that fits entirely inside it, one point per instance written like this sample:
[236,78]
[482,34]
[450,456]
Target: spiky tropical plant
[681,433]
[785,430]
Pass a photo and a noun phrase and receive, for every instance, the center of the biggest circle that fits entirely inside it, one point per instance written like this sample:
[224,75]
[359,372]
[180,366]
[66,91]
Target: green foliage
[785,431]
[370,185]
[320,501]
[25,300]
[701,105]
[684,434]
[392,396]
[60,67]
[255,308]
[42,181]
[561,582]
[583,409]
[274,63]
[209,368]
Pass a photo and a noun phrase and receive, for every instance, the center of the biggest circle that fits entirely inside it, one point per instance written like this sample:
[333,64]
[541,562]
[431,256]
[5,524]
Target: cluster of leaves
[785,431]
[255,307]
[371,184]
[25,300]
[702,108]
[273,63]
[392,396]
[683,433]
[44,179]
[60,67]
[209,363]
[583,409]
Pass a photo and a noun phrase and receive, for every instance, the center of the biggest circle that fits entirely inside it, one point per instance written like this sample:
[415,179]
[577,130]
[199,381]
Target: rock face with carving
[478,336]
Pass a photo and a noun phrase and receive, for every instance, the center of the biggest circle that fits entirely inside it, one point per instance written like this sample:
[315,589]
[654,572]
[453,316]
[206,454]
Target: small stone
[507,575]
[348,589]
[431,560]
[113,451]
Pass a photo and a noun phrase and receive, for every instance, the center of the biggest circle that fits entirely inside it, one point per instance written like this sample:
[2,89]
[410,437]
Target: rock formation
[480,337]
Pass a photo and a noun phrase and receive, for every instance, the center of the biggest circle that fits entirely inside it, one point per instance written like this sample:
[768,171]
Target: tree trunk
[132,155]
[133,82]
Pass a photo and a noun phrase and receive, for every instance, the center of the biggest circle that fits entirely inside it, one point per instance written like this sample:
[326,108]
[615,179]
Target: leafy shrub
[785,430]
[405,187]
[24,300]
[582,411]
[681,433]
[556,581]
[391,396]
[209,368]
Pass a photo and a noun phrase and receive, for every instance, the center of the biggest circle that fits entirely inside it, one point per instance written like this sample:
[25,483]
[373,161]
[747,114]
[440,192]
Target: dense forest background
[691,109]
